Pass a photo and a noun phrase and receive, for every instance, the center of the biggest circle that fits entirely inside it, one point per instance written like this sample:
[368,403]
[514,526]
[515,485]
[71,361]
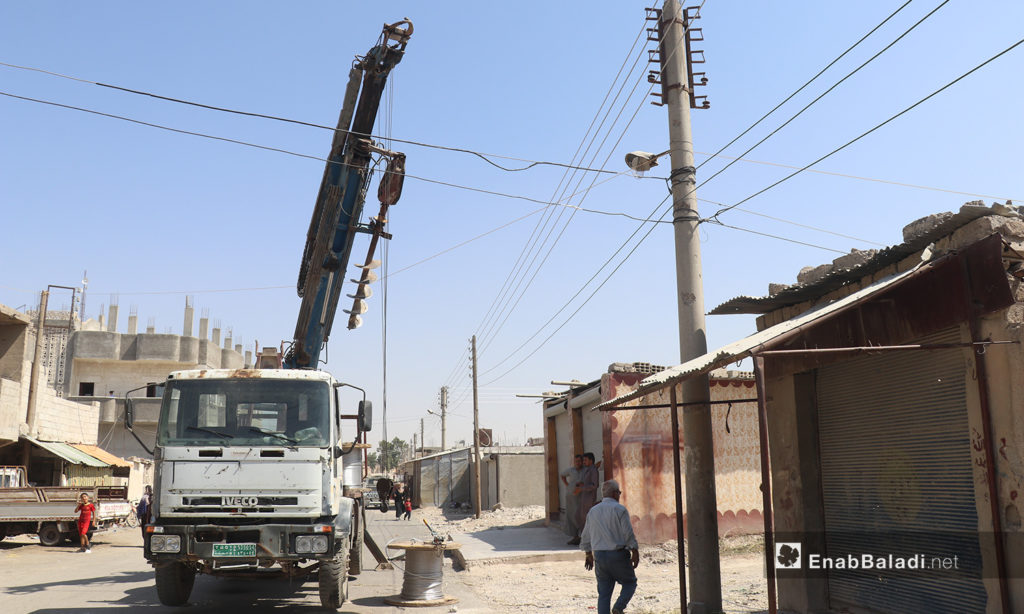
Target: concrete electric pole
[422,441]
[476,437]
[701,503]
[444,418]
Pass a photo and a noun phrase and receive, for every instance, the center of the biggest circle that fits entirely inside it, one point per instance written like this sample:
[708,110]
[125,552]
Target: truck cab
[253,469]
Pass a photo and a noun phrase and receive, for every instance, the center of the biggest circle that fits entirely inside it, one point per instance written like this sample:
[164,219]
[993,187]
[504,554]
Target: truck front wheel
[333,579]
[50,535]
[174,583]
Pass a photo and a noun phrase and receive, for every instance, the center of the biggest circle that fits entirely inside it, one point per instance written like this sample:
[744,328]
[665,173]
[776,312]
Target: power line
[812,79]
[823,94]
[862,178]
[536,270]
[504,194]
[483,156]
[531,242]
[653,226]
[864,134]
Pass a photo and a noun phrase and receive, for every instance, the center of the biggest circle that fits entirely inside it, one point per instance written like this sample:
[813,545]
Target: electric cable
[812,79]
[491,333]
[876,127]
[719,172]
[517,266]
[823,94]
[482,155]
[653,226]
[537,270]
[542,224]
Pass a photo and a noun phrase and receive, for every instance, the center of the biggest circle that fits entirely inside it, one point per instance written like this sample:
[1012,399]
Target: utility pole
[422,441]
[701,503]
[444,418]
[476,436]
[37,365]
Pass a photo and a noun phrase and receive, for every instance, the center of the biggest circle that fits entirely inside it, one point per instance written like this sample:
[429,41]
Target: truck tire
[333,580]
[355,553]
[174,583]
[50,534]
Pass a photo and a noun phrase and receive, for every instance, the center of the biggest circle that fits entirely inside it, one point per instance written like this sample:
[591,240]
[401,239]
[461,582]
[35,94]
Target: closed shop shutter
[896,474]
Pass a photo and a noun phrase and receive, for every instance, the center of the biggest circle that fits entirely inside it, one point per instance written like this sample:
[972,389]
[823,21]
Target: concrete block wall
[119,376]
[13,340]
[12,409]
[58,419]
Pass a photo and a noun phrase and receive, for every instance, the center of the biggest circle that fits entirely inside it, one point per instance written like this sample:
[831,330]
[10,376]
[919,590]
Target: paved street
[115,576]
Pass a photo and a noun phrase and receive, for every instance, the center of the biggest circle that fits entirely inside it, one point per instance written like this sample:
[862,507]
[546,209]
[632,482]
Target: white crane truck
[258,471]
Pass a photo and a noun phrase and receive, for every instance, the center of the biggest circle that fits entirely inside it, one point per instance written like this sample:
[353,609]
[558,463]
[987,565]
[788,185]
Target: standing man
[142,510]
[612,551]
[590,481]
[573,479]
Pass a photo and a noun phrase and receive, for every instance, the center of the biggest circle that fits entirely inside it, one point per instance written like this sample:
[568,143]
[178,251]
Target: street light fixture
[643,161]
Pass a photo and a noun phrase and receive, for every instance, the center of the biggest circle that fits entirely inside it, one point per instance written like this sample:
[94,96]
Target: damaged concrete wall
[641,459]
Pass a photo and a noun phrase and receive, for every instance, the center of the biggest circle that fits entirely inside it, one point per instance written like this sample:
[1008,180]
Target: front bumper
[223,545]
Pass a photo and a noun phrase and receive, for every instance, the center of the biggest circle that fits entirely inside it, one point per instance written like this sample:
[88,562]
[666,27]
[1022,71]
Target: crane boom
[339,203]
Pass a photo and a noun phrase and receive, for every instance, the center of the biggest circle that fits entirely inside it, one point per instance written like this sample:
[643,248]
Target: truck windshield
[245,412]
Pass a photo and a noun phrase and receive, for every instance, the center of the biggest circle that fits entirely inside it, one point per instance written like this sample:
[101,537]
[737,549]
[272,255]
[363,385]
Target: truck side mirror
[129,413]
[365,416]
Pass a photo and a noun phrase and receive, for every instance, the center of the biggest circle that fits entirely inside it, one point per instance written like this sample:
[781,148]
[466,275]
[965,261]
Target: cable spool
[423,574]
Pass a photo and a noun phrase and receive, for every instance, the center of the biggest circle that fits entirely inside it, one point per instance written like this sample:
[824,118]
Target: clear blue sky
[155,216]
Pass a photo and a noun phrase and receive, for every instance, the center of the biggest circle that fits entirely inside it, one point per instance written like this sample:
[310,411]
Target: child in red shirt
[85,511]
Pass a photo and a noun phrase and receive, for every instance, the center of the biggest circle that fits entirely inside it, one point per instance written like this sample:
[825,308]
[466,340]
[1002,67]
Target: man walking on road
[573,479]
[612,550]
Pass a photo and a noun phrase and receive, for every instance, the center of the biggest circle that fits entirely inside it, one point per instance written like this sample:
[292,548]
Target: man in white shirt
[612,550]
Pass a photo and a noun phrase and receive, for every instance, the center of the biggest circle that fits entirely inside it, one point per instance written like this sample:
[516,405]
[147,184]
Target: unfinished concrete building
[103,365]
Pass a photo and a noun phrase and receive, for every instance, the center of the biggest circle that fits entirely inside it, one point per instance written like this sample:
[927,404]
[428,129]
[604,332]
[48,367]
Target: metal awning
[101,454]
[973,275]
[738,350]
[69,453]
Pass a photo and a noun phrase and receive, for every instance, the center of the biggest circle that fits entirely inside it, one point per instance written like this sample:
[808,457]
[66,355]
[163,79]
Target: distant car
[370,495]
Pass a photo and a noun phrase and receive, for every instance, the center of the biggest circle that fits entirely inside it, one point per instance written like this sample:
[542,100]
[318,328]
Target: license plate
[239,550]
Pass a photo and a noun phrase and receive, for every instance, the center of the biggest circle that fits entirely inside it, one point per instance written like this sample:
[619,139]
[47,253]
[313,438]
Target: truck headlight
[311,544]
[165,543]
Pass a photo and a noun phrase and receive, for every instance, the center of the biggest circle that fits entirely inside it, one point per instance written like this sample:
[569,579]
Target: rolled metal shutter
[896,473]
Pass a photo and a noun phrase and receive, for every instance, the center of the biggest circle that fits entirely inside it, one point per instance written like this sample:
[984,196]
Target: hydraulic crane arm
[339,203]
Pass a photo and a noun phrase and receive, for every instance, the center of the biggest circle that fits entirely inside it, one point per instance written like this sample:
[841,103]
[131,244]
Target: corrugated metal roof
[101,454]
[69,453]
[941,225]
[743,348]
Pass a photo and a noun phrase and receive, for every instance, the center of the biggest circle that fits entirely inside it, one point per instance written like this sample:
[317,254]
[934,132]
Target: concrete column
[112,320]
[186,329]
[216,335]
[238,348]
[37,366]
[133,323]
[227,340]
[151,326]
[204,327]
[248,359]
